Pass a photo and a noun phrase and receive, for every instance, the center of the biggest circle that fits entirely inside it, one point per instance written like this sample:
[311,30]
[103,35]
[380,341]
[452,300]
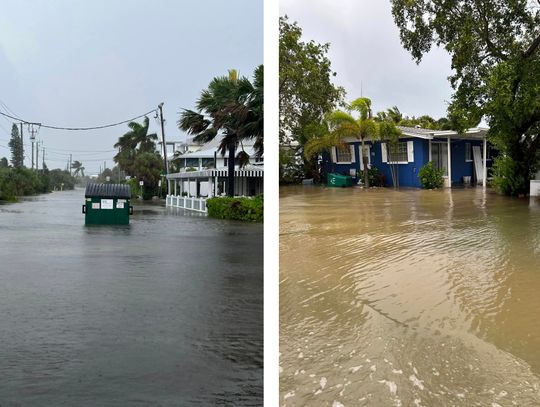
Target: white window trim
[335,155]
[384,154]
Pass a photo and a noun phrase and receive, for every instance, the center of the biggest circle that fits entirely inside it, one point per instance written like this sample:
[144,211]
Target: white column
[175,184]
[210,188]
[449,163]
[484,169]
[429,152]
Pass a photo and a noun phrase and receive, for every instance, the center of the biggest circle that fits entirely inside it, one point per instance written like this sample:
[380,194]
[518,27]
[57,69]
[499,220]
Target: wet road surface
[164,312]
[408,298]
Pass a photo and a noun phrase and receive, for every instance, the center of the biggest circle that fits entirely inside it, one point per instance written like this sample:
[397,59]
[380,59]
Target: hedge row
[246,209]
[15,182]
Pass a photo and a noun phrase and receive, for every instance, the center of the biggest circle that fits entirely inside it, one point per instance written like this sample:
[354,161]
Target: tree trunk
[230,168]
[364,163]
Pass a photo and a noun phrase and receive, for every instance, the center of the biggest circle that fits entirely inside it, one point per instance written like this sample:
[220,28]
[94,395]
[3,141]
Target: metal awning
[249,171]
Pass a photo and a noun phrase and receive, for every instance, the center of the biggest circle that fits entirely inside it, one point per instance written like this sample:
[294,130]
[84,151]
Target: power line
[77,128]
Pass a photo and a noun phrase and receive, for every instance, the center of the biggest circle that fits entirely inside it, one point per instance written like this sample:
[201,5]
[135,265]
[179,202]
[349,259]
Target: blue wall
[408,173]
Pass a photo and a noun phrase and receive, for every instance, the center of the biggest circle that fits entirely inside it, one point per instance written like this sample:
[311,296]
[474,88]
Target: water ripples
[409,267]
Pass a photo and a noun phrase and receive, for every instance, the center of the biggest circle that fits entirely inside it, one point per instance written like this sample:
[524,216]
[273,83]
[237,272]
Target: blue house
[463,158]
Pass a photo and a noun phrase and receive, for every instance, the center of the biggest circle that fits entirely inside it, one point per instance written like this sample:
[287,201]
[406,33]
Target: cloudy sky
[367,55]
[84,63]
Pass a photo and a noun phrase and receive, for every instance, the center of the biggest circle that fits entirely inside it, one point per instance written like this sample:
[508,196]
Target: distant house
[203,174]
[463,158]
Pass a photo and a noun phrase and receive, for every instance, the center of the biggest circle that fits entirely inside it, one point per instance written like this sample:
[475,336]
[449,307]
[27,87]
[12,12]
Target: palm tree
[133,143]
[78,168]
[233,107]
[343,125]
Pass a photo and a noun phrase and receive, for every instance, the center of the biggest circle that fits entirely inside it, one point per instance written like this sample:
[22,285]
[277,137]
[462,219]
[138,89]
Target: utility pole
[33,139]
[37,155]
[160,106]
[43,159]
[70,157]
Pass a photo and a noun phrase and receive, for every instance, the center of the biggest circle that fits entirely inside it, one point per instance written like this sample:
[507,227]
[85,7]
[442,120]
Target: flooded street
[164,312]
[408,298]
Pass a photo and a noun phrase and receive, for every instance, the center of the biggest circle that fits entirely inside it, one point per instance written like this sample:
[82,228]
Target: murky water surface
[409,298]
[164,312]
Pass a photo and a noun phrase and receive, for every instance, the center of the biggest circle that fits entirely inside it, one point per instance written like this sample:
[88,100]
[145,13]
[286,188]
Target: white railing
[184,202]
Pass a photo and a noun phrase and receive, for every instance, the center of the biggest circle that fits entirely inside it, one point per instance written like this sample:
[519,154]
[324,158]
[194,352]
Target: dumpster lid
[108,191]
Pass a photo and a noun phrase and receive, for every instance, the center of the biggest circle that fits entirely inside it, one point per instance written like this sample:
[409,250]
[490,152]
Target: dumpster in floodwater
[107,204]
[338,180]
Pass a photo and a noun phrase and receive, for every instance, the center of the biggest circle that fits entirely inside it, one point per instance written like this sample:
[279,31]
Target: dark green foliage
[58,179]
[306,92]
[376,178]
[291,168]
[246,209]
[148,168]
[231,108]
[138,158]
[430,177]
[16,182]
[16,146]
[495,51]
[507,177]
[133,143]
[4,162]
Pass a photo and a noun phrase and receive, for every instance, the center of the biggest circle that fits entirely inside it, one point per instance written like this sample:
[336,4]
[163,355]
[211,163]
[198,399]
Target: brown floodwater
[408,298]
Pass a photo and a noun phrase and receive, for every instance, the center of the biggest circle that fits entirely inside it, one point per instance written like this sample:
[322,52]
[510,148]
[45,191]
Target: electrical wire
[77,128]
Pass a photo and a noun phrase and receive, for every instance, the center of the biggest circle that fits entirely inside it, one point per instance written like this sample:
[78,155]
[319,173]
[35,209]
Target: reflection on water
[166,311]
[408,298]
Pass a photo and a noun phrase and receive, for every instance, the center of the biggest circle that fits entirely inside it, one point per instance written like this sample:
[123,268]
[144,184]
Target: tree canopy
[496,69]
[306,91]
[16,146]
[231,107]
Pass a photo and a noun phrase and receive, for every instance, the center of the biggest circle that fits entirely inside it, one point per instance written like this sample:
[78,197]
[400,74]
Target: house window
[208,163]
[468,152]
[398,152]
[343,154]
[192,162]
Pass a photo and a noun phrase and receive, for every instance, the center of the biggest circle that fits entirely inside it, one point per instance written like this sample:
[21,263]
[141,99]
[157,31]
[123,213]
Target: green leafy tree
[16,146]
[344,125]
[134,142]
[389,133]
[4,162]
[148,166]
[231,107]
[306,91]
[494,46]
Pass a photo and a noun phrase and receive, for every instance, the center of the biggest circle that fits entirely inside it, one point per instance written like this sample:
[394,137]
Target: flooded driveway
[164,312]
[408,298]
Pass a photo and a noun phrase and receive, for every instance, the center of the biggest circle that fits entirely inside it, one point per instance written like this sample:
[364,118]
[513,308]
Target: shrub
[376,177]
[246,209]
[508,177]
[430,177]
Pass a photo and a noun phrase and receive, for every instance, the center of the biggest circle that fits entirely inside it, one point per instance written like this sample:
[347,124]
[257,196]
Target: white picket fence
[184,202]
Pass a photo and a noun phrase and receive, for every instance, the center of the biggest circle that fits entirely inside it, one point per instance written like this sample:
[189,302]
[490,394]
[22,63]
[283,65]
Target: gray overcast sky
[84,63]
[365,48]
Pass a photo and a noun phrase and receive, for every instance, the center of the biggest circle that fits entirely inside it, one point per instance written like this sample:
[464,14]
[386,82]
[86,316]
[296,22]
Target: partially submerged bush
[508,177]
[246,209]
[376,177]
[431,177]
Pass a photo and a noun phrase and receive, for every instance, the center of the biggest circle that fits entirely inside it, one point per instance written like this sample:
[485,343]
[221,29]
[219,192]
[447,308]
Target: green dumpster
[107,204]
[338,180]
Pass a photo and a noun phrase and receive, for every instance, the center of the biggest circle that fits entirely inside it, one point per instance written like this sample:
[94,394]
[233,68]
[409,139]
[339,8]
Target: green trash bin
[338,180]
[107,204]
